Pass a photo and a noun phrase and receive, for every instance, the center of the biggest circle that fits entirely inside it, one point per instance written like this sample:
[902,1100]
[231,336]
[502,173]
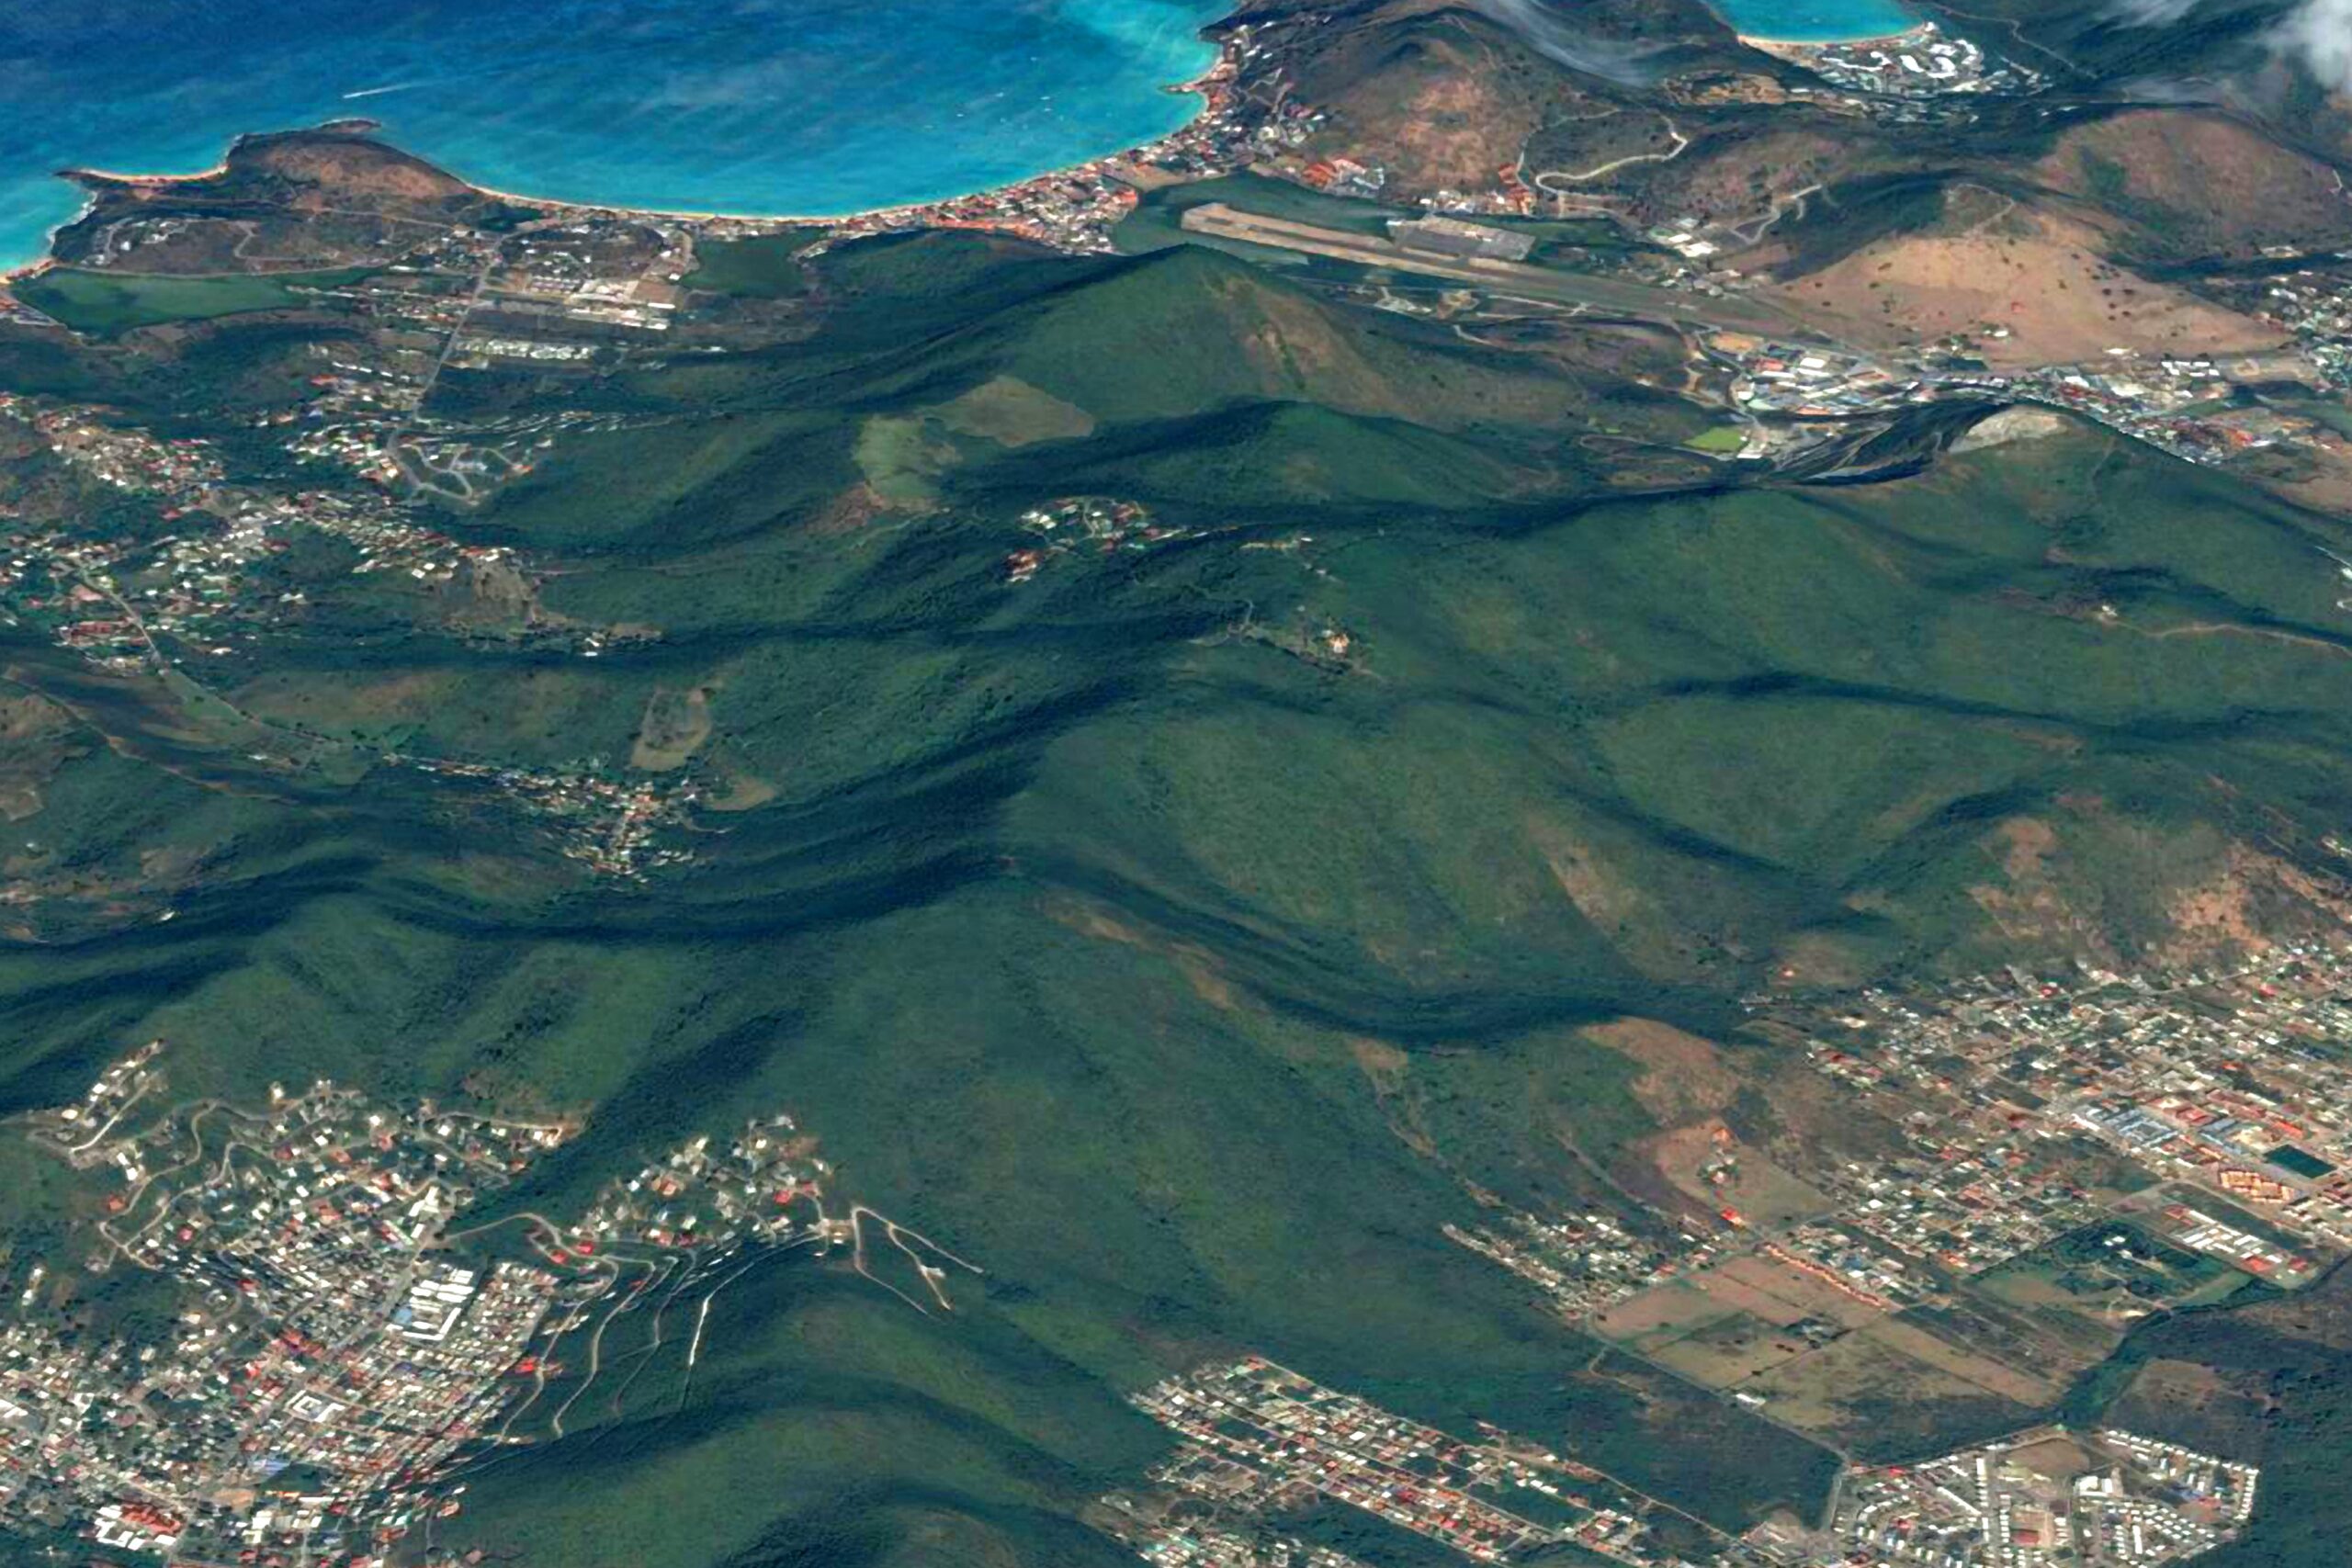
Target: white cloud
[2316,32]
[1540,25]
[2320,32]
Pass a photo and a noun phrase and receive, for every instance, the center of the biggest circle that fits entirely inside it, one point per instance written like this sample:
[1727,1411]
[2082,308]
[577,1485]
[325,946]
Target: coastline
[1201,87]
[1757,41]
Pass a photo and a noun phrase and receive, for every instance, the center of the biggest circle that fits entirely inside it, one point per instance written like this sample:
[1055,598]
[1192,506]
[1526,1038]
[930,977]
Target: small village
[1262,1439]
[134,604]
[615,828]
[1102,524]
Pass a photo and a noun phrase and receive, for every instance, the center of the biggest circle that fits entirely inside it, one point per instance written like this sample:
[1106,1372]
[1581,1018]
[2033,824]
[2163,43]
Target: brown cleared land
[1968,1367]
[1766,1286]
[2039,274]
[1728,1350]
[2201,184]
[1659,1314]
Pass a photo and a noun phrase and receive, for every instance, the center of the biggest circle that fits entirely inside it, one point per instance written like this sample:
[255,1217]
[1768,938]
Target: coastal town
[289,1341]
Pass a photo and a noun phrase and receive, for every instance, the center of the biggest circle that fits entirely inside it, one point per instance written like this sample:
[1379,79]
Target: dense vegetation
[1095,924]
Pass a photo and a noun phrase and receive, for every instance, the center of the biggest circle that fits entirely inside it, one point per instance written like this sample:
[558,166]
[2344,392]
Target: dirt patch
[742,791]
[1381,1063]
[2029,909]
[1730,1349]
[1860,1389]
[1778,1293]
[2040,278]
[1662,1312]
[2021,423]
[1708,1166]
[1683,1077]
[672,728]
[2220,911]
[850,511]
[2026,843]
[1197,965]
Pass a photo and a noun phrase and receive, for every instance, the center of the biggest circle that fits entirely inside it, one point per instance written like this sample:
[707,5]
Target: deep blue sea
[819,107]
[1815,21]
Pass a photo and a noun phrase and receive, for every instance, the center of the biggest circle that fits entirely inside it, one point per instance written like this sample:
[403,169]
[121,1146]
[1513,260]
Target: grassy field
[760,267]
[108,304]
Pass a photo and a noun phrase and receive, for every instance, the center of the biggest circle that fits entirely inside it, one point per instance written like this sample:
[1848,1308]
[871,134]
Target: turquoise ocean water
[759,106]
[1815,21]
[817,107]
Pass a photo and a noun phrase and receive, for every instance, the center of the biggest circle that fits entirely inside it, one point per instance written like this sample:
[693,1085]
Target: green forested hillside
[1094,922]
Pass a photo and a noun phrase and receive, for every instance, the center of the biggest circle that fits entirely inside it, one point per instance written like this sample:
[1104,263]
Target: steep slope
[1190,932]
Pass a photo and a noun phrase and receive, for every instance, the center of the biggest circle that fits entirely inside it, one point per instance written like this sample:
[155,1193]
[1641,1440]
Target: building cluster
[1799,397]
[1345,176]
[705,1194]
[1098,522]
[614,826]
[320,1363]
[1926,62]
[129,601]
[592,272]
[2183,405]
[1168,1533]
[2226,1085]
[203,582]
[2315,304]
[1447,236]
[1245,117]
[1585,1263]
[1971,1193]
[2041,1499]
[339,1349]
[1262,1439]
[1806,382]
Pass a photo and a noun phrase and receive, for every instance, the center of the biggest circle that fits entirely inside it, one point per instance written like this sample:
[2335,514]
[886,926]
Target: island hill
[1747,986]
[283,201]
